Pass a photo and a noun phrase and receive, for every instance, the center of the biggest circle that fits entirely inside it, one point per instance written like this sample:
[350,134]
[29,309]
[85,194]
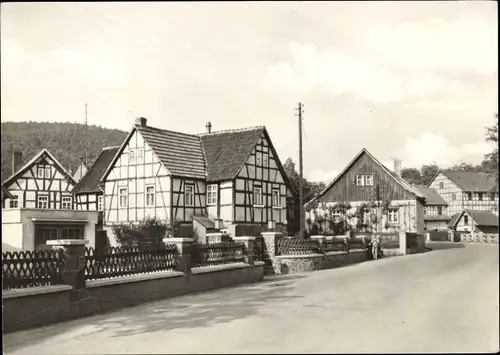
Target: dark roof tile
[432,197]
[472,181]
[90,181]
[226,151]
[483,218]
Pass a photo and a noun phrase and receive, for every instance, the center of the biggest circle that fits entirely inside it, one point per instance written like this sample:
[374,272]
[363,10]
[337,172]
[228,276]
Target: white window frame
[139,158]
[370,183]
[42,199]
[123,197]
[265,160]
[64,201]
[14,203]
[441,185]
[47,169]
[277,203]
[100,203]
[152,194]
[258,158]
[190,194]
[257,191]
[466,220]
[131,156]
[212,195]
[360,180]
[393,215]
[40,172]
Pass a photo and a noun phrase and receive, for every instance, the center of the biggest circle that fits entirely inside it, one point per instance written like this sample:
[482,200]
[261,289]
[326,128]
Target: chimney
[397,167]
[17,160]
[208,126]
[141,121]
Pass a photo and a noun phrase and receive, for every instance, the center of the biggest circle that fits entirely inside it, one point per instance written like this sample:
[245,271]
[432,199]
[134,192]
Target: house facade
[436,215]
[477,221]
[232,176]
[41,183]
[87,192]
[363,180]
[43,206]
[466,190]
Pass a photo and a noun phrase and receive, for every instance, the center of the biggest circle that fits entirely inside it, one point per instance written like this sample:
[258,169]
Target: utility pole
[86,138]
[301,175]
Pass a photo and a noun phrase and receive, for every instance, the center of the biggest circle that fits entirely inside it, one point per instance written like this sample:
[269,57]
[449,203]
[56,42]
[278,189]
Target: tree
[311,189]
[490,161]
[412,175]
[466,167]
[428,172]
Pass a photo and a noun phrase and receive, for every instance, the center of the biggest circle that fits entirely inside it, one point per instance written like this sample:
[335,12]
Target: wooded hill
[65,141]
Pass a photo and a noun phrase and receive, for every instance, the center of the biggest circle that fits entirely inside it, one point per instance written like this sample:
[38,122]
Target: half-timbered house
[232,176]
[467,190]
[44,205]
[365,180]
[436,215]
[41,183]
[88,193]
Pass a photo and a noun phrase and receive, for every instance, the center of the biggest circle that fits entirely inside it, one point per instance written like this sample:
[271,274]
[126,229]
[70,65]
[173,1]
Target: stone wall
[37,306]
[290,264]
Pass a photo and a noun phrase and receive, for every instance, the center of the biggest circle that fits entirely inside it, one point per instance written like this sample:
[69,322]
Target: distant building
[467,190]
[80,172]
[479,221]
[436,215]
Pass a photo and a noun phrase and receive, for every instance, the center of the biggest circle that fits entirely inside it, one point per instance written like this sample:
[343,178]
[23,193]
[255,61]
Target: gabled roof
[80,172]
[214,156]
[28,165]
[471,181]
[180,153]
[432,197]
[227,151]
[396,177]
[6,193]
[90,181]
[481,218]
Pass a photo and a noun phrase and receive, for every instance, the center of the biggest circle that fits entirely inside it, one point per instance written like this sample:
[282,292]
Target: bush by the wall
[148,231]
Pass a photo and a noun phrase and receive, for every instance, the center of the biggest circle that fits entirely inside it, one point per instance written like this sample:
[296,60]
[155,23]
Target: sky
[415,81]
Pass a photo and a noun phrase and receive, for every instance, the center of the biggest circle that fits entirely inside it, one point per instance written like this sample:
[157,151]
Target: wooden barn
[233,177]
[366,179]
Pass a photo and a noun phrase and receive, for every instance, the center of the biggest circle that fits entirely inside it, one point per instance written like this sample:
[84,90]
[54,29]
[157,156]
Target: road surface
[441,301]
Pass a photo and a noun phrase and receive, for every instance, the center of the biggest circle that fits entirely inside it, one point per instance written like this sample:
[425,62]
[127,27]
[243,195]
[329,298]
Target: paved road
[442,301]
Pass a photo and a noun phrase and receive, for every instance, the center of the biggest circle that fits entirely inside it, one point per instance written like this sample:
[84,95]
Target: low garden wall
[478,238]
[293,255]
[84,283]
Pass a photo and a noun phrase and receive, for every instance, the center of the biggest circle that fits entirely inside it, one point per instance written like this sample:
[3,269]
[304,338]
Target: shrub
[148,231]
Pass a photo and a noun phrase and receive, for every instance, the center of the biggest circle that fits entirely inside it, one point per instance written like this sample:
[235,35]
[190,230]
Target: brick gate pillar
[73,269]
[183,260]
